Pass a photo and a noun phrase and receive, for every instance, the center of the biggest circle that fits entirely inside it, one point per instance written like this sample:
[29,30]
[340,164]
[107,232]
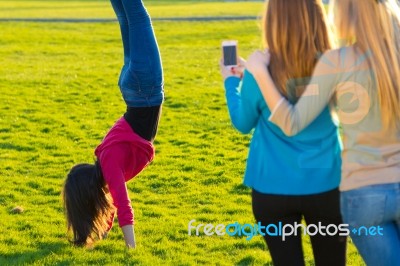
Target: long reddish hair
[296,33]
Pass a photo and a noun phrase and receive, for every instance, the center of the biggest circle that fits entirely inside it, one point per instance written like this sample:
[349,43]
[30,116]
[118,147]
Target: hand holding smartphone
[229,52]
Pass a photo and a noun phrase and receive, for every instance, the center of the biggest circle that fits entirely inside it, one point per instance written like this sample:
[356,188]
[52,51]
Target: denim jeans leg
[374,206]
[142,82]
[124,27]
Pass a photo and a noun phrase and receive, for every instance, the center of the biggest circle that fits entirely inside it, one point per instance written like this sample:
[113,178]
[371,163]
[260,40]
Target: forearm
[268,89]
[282,112]
[294,118]
[129,235]
[317,94]
[283,118]
[241,118]
[233,101]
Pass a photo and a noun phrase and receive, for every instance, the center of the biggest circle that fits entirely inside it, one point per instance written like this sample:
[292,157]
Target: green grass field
[102,9]
[58,99]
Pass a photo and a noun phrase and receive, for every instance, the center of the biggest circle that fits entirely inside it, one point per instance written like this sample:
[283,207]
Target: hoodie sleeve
[243,99]
[112,162]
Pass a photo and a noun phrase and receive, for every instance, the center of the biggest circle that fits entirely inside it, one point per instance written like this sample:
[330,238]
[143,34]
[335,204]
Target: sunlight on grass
[102,9]
[58,99]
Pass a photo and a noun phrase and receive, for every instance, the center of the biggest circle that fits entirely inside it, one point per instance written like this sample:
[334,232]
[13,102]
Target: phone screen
[230,55]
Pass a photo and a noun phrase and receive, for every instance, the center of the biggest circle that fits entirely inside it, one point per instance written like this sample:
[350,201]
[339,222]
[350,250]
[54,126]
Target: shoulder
[339,53]
[339,60]
[114,155]
[328,62]
[332,54]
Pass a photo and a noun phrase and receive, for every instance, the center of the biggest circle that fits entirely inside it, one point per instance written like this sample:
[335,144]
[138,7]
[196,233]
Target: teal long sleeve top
[308,163]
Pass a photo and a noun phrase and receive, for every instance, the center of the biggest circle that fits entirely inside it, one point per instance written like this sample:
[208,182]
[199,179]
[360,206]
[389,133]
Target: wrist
[231,82]
[260,73]
[233,76]
[129,236]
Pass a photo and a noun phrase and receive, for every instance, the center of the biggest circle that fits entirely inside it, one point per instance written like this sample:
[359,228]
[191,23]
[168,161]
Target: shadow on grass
[240,190]
[250,260]
[41,251]
[9,146]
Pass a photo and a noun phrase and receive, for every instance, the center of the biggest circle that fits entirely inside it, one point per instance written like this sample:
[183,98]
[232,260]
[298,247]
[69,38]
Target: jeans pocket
[130,82]
[363,210]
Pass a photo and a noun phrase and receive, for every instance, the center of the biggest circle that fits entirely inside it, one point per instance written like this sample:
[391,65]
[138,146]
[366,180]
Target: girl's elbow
[242,125]
[244,129]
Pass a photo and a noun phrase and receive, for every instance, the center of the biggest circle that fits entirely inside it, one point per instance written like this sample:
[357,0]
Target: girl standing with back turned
[298,177]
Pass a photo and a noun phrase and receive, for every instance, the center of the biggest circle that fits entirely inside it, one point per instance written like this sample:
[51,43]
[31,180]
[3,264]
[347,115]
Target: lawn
[58,99]
[101,9]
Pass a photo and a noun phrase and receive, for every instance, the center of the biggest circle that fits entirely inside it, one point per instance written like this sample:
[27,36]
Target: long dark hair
[87,203]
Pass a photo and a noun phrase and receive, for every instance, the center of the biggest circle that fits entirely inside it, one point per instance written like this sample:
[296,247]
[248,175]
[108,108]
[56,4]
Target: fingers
[221,62]
[235,70]
[231,71]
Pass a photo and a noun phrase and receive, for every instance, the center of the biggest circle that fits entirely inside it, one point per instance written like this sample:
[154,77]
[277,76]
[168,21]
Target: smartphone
[229,51]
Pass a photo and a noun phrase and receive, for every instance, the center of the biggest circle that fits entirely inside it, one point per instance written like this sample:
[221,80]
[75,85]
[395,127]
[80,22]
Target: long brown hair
[296,33]
[374,27]
[87,204]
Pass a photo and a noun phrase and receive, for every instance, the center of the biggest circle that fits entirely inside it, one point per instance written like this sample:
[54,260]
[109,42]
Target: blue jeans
[141,78]
[376,205]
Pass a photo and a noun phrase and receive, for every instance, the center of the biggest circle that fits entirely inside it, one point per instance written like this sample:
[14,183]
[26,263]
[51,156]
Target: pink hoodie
[122,155]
